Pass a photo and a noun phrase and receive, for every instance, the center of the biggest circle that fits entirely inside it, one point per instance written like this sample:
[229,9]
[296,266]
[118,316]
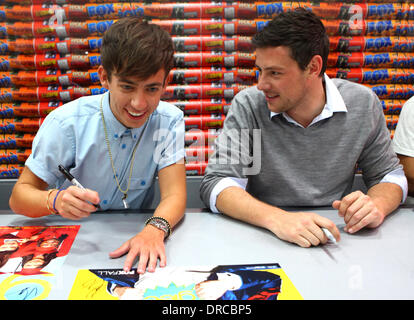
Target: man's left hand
[148,245]
[359,211]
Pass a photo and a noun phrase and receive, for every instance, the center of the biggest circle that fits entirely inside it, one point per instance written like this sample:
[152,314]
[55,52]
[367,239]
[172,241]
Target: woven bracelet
[54,201]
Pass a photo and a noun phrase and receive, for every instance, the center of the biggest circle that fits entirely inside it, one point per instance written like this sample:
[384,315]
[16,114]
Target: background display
[49,54]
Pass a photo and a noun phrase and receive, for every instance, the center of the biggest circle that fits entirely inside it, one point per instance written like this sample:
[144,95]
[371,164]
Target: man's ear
[103,77]
[315,66]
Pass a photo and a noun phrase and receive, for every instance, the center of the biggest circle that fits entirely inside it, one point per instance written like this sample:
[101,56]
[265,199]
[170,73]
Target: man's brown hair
[135,48]
[301,31]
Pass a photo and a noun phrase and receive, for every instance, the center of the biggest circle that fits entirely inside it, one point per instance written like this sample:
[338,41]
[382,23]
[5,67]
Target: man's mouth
[270,96]
[136,114]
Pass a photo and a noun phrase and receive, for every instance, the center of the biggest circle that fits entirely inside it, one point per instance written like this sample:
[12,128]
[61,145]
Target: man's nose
[138,100]
[262,83]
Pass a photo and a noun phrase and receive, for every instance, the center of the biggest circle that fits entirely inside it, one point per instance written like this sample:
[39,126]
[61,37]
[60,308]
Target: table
[372,264]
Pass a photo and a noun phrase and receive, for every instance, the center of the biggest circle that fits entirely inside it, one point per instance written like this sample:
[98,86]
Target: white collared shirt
[334,103]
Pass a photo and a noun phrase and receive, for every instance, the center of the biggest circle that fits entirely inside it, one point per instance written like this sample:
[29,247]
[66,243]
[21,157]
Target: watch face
[159,225]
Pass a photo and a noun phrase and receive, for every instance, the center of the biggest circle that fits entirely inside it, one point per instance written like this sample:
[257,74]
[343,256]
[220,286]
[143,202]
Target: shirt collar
[116,128]
[334,103]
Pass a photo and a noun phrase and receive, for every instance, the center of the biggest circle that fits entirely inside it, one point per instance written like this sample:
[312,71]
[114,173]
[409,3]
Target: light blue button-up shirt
[73,136]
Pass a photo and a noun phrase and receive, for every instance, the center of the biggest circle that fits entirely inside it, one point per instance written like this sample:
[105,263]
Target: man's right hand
[303,228]
[74,203]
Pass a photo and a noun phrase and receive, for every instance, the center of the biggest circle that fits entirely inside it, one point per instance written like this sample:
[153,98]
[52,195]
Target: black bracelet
[160,223]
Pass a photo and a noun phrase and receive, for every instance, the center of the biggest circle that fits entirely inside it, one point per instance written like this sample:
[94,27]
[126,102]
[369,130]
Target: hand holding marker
[72,179]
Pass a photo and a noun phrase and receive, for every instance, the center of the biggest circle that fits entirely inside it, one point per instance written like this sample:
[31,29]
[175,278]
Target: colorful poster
[30,257]
[223,282]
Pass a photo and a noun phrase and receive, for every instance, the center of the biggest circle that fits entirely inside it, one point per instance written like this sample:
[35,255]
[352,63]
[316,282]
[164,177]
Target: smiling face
[36,262]
[9,246]
[50,243]
[280,78]
[133,100]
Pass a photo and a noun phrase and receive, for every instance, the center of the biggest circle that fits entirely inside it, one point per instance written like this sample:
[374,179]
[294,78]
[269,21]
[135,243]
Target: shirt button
[105,201]
[124,146]
[142,183]
[115,135]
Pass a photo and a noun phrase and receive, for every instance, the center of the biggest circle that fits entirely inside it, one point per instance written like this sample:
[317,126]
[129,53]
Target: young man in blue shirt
[114,144]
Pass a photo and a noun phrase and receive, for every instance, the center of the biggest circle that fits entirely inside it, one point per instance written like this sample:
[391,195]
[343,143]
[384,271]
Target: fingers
[201,290]
[330,226]
[130,258]
[73,202]
[147,260]
[312,237]
[163,260]
[303,242]
[120,251]
[336,204]
[344,205]
[148,253]
[366,215]
[365,221]
[315,236]
[91,196]
[358,211]
[305,229]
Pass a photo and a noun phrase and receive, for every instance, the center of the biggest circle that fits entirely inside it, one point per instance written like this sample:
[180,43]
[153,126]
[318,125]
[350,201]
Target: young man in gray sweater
[297,138]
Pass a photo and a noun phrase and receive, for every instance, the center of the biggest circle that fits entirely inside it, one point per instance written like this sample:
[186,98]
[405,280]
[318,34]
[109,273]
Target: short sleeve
[52,146]
[170,146]
[403,142]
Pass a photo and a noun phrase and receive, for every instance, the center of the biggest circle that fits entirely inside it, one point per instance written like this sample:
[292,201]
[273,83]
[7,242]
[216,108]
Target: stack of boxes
[50,52]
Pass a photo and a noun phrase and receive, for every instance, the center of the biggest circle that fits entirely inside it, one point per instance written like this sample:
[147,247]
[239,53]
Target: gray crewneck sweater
[310,166]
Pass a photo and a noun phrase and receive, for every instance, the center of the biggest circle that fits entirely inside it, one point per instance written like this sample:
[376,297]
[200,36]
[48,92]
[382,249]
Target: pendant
[126,206]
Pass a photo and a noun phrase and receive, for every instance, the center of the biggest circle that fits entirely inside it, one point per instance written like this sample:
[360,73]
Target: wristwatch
[161,224]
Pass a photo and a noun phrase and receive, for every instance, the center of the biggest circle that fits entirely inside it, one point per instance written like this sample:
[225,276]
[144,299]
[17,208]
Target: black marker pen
[68,176]
[72,179]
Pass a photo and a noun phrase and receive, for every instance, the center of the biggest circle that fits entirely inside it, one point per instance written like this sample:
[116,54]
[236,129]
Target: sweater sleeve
[378,157]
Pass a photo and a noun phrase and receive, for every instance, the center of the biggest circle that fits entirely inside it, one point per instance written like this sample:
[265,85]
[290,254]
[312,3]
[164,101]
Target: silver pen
[329,235]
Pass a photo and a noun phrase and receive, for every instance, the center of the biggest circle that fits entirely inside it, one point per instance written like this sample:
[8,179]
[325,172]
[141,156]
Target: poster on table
[222,282]
[30,256]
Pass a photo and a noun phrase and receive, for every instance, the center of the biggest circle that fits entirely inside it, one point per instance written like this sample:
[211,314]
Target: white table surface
[372,264]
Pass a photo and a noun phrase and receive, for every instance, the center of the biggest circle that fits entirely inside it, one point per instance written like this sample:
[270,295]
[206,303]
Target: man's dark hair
[132,47]
[300,30]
